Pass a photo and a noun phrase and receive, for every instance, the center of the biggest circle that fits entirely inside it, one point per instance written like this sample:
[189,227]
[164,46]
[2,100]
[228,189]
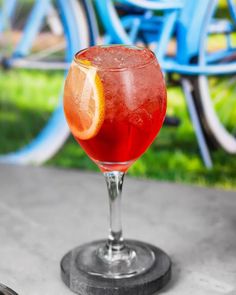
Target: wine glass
[115,104]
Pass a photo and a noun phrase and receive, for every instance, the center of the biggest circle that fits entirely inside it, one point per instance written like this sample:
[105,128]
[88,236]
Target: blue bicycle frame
[6,12]
[34,152]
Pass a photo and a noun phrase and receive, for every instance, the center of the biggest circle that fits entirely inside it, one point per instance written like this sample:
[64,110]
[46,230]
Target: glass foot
[139,269]
[98,260]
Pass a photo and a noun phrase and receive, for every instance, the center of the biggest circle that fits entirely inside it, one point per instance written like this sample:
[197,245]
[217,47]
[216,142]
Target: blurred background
[195,44]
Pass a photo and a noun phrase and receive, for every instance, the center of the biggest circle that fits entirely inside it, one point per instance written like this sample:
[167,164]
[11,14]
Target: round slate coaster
[4,290]
[144,284]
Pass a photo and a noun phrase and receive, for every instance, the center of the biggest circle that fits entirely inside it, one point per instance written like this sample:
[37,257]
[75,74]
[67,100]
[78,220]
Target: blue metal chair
[190,23]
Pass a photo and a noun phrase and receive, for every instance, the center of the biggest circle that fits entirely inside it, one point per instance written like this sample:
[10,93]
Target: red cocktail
[131,98]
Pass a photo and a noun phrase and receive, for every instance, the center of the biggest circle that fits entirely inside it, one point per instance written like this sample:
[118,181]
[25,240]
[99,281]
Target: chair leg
[204,150]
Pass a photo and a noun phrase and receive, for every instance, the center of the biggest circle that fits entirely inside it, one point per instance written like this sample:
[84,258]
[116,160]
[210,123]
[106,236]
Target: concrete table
[44,212]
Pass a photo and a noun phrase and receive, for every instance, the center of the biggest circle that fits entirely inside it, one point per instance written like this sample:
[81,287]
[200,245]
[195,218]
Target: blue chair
[190,23]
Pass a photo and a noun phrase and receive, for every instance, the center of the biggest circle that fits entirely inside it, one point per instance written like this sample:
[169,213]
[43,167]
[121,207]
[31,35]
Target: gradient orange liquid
[135,107]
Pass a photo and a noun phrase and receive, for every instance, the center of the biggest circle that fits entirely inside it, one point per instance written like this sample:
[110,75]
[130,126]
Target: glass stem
[115,242]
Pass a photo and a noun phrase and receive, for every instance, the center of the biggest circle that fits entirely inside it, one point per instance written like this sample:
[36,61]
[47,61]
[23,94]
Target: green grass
[28,98]
[26,102]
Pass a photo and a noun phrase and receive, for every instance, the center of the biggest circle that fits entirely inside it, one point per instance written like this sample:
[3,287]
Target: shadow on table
[174,280]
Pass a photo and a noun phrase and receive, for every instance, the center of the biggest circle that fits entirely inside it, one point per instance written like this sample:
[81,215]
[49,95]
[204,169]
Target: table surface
[44,212]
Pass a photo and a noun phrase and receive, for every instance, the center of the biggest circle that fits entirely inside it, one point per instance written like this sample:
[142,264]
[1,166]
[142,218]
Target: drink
[115,103]
[134,109]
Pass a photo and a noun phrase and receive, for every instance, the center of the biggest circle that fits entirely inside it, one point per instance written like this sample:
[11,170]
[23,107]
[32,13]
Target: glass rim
[80,62]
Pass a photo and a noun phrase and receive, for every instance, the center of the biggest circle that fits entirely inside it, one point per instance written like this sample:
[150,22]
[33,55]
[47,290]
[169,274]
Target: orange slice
[84,102]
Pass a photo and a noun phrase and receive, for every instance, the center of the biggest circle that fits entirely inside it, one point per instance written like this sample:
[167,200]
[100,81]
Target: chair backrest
[112,23]
[232,9]
[189,27]
[185,17]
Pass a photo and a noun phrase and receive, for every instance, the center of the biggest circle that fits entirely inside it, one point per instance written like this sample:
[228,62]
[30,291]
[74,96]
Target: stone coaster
[144,284]
[4,290]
